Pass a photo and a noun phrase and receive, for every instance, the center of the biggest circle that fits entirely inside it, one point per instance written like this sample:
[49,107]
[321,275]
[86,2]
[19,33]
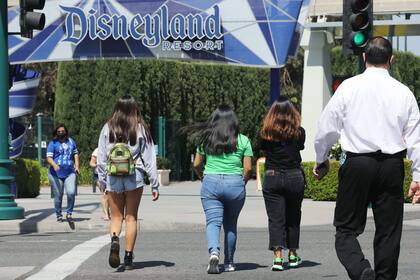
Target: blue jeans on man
[222,197]
[58,186]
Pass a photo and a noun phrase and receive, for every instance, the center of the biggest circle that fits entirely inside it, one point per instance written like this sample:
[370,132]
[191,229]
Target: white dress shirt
[368,113]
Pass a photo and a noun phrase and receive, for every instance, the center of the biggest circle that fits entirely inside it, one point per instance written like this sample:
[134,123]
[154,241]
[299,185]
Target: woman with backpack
[227,155]
[282,139]
[125,151]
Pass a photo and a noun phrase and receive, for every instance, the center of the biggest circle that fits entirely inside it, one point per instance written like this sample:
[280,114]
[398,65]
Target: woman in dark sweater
[282,139]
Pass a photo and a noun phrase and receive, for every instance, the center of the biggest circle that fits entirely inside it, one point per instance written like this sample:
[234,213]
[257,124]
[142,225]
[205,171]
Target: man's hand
[414,191]
[321,169]
[56,167]
[77,171]
[155,195]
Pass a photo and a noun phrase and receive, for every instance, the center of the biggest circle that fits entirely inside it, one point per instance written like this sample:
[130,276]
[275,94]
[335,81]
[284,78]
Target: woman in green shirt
[227,156]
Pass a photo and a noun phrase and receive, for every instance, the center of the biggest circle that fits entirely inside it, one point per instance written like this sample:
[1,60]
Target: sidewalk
[178,209]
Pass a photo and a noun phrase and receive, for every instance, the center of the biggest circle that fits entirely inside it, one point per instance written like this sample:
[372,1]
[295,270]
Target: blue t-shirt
[62,154]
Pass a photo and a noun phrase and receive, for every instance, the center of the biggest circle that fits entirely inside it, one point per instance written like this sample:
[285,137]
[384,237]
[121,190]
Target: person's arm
[328,133]
[53,164]
[247,162]
[411,135]
[198,162]
[92,161]
[76,157]
[301,142]
[102,155]
[50,155]
[148,155]
[76,163]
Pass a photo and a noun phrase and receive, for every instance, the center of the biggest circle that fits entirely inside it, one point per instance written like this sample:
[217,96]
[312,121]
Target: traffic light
[30,20]
[357,25]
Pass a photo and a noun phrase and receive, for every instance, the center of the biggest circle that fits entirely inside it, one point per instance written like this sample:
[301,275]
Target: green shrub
[28,177]
[326,189]
[163,163]
[85,177]
[44,176]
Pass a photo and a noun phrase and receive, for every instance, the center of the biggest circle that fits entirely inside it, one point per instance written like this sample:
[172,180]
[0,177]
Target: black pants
[379,180]
[283,195]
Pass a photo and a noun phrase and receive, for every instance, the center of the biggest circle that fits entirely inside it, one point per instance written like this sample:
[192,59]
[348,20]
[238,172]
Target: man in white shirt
[377,120]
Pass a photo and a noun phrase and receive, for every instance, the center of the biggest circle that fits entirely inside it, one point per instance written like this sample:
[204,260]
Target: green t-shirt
[230,164]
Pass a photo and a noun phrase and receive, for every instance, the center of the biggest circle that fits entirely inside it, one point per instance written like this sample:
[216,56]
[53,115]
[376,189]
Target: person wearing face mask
[377,120]
[63,157]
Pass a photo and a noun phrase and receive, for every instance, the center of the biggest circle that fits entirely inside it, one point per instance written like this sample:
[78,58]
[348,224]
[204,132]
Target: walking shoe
[213,267]
[59,219]
[128,260]
[277,264]
[69,218]
[229,267]
[114,254]
[368,274]
[294,261]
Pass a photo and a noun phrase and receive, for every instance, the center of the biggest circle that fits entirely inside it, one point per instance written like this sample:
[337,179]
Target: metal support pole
[274,84]
[39,137]
[161,127]
[8,208]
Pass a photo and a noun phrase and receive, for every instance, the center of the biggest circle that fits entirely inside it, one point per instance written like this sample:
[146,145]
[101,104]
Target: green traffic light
[359,39]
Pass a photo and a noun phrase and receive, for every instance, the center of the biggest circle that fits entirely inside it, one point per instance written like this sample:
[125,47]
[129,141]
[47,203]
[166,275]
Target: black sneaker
[114,254]
[59,219]
[128,260]
[69,218]
[368,274]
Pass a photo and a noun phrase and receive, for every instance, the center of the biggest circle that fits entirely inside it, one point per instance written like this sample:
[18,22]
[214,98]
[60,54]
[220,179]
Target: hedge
[326,189]
[28,177]
[182,92]
[85,177]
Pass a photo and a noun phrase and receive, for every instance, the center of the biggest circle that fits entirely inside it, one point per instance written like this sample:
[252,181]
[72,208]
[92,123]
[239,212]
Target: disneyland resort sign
[180,32]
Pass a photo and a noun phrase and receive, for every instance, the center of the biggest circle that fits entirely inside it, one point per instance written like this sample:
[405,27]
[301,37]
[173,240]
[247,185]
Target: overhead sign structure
[243,32]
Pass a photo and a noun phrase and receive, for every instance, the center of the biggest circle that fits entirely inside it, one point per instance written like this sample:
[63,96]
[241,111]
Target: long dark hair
[282,122]
[217,135]
[124,122]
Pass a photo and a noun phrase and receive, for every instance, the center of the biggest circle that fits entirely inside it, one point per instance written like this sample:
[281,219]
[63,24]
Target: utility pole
[8,208]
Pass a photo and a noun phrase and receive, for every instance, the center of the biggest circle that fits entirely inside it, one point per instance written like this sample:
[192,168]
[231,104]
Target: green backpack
[121,161]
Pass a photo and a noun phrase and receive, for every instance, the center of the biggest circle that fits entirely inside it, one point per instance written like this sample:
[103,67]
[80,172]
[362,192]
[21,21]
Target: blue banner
[243,32]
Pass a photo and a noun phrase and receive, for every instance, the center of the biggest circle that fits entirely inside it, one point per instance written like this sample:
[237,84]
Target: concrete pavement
[179,208]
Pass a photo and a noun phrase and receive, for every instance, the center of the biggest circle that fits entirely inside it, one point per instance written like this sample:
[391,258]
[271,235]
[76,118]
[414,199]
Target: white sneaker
[229,267]
[213,267]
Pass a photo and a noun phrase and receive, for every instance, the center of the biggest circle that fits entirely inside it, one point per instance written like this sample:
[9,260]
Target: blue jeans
[58,185]
[222,197]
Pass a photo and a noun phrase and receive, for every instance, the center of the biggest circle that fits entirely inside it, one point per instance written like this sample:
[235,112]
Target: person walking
[282,139]
[63,158]
[227,156]
[104,196]
[125,151]
[377,120]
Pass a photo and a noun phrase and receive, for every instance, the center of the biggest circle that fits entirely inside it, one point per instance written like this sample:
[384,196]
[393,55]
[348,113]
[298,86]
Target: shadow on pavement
[30,225]
[248,266]
[309,264]
[141,265]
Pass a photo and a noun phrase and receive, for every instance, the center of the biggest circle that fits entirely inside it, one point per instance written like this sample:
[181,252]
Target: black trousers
[378,179]
[283,195]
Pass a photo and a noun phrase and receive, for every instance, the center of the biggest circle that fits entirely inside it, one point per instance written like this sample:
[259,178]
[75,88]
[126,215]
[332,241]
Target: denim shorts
[124,183]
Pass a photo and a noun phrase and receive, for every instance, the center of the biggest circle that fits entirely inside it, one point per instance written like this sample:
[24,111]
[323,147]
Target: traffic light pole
[8,208]
[274,85]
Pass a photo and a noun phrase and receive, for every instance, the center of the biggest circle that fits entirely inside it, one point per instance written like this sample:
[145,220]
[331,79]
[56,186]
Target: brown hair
[124,122]
[282,122]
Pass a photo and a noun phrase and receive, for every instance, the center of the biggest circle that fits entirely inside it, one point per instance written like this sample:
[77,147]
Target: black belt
[378,155]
